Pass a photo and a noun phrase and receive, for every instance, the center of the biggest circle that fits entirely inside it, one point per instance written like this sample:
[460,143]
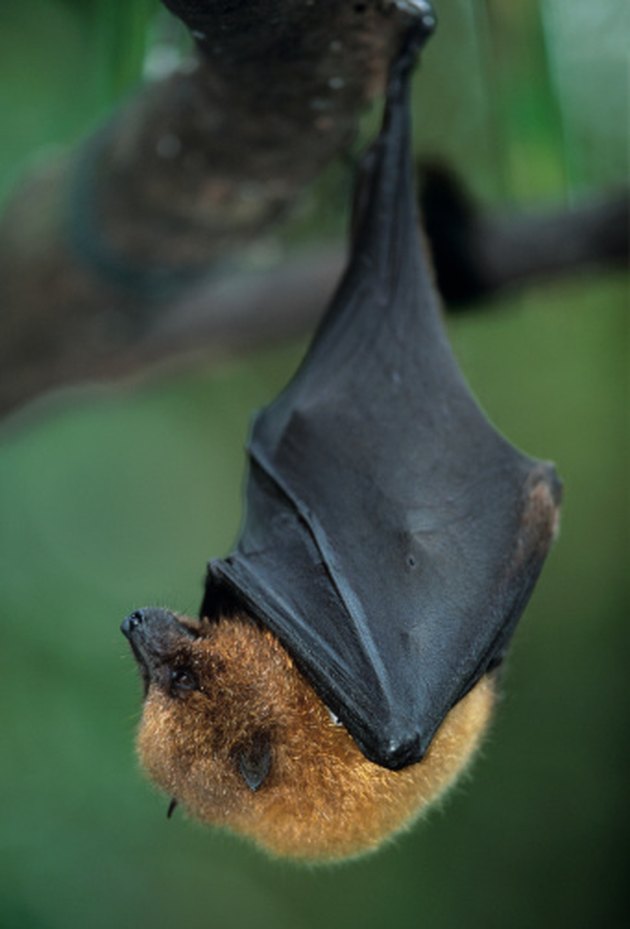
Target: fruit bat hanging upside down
[341,672]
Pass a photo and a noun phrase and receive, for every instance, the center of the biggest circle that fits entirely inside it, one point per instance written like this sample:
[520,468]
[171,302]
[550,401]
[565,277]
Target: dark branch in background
[478,254]
[105,255]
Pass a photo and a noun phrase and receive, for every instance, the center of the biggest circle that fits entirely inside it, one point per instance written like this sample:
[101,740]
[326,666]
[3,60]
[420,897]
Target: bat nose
[145,619]
[131,622]
[153,623]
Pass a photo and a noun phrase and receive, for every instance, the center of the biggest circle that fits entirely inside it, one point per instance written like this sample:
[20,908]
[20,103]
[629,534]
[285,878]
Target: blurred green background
[114,497]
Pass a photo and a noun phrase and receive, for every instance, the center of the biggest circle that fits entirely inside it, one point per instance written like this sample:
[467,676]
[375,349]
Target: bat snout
[154,635]
[131,623]
[148,622]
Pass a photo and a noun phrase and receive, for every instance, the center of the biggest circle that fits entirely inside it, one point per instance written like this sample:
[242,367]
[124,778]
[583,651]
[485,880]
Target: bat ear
[253,760]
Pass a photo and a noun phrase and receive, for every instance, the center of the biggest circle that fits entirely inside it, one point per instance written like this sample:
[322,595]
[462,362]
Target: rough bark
[95,248]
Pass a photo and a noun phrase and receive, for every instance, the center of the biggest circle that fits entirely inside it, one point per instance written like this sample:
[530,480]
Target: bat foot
[422,25]
[422,12]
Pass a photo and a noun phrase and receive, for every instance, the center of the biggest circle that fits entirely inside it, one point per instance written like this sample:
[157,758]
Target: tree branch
[477,254]
[95,247]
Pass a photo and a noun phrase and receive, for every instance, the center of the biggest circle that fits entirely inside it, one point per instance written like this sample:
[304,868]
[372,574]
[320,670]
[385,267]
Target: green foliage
[114,498]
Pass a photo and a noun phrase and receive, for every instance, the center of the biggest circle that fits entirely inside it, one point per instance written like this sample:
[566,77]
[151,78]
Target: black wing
[392,536]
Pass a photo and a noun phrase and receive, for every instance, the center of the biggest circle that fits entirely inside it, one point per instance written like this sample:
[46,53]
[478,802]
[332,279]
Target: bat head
[234,733]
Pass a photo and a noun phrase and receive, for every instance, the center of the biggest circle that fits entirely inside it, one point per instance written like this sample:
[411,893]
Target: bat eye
[183,681]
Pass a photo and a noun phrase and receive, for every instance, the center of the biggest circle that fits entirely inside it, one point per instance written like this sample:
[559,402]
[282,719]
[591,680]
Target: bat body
[234,732]
[392,535]
[391,541]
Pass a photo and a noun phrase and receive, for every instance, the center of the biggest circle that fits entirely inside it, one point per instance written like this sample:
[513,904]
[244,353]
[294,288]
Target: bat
[342,669]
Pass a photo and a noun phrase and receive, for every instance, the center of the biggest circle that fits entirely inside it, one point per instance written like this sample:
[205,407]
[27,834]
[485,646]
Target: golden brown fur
[322,799]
